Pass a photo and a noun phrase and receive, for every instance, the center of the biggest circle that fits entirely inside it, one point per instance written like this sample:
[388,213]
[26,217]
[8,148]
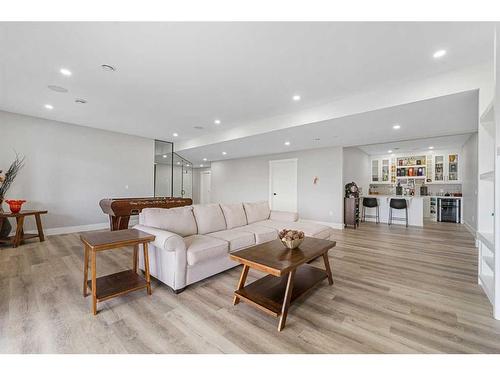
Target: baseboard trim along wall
[471,230]
[327,223]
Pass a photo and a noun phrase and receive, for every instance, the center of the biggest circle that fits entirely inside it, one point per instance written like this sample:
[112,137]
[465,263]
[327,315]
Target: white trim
[471,230]
[327,223]
[271,162]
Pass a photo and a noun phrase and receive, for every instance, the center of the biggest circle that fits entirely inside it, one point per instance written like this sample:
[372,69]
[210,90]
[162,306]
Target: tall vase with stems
[5,226]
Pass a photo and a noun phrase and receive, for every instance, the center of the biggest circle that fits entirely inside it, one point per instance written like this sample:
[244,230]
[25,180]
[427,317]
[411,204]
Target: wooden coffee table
[119,283]
[289,275]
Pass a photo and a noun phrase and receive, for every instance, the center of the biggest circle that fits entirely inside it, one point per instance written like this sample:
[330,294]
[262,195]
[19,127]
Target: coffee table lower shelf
[268,292]
[117,284]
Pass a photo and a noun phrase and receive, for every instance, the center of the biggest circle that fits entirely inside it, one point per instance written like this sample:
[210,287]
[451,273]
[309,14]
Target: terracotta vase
[5,226]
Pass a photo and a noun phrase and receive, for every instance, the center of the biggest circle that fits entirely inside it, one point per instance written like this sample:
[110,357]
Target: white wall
[70,168]
[356,167]
[246,180]
[469,164]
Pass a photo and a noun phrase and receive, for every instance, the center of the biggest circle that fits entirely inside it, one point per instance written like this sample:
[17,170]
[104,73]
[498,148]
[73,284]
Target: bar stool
[370,203]
[398,204]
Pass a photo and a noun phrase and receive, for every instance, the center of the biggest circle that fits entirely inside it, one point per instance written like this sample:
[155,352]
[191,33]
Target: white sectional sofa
[193,243]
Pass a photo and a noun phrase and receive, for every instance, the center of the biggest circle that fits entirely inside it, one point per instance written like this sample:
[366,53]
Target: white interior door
[283,185]
[205,186]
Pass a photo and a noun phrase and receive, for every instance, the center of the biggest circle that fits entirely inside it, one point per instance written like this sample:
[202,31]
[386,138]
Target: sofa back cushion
[209,218]
[179,220]
[234,215]
[257,211]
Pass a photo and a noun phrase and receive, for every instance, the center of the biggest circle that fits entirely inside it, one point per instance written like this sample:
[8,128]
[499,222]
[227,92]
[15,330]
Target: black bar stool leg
[406,213]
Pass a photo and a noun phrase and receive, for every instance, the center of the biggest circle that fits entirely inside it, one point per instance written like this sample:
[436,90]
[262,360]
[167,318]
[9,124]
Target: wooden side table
[20,236]
[119,283]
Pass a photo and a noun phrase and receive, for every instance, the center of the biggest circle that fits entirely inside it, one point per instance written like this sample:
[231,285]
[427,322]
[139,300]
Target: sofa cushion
[209,218]
[262,234]
[234,215]
[202,248]
[309,229]
[237,239]
[284,216]
[179,220]
[257,211]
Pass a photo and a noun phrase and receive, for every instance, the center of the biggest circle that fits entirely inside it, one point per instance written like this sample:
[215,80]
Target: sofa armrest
[284,216]
[164,240]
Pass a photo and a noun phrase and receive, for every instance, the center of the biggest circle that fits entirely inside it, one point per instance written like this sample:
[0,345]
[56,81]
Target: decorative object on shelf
[291,238]
[15,205]
[351,190]
[6,181]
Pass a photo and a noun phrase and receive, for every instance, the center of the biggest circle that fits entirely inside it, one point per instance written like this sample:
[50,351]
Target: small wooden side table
[20,236]
[119,283]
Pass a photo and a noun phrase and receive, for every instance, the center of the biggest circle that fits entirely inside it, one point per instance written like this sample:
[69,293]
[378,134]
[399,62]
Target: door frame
[274,162]
[201,177]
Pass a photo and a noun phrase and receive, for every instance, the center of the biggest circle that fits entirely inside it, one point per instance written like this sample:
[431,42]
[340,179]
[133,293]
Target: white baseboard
[77,228]
[470,229]
[327,223]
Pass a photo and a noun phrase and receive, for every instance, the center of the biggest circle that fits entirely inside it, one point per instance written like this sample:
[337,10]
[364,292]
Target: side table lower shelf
[117,284]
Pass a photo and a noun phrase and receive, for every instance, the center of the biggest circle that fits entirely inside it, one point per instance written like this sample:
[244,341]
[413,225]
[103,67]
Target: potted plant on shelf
[6,181]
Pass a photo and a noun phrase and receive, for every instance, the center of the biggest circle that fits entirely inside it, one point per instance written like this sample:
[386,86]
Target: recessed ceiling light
[431,147]
[57,88]
[164,156]
[287,143]
[49,106]
[65,72]
[396,127]
[201,165]
[217,122]
[440,53]
[108,68]
[296,98]
[390,151]
[198,127]
[80,101]
[224,153]
[175,134]
[204,159]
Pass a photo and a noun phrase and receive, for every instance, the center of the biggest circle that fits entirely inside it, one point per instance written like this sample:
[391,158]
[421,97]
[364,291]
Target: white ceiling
[443,116]
[452,142]
[173,76]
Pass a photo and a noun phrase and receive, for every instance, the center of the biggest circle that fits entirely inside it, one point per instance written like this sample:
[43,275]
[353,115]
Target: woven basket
[292,244]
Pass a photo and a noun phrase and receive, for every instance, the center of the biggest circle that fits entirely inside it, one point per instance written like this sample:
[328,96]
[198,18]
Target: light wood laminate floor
[396,290]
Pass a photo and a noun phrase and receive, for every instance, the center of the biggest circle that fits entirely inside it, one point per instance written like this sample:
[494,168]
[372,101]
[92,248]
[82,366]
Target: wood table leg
[85,270]
[135,260]
[39,227]
[146,267]
[241,283]
[286,300]
[16,241]
[328,269]
[94,283]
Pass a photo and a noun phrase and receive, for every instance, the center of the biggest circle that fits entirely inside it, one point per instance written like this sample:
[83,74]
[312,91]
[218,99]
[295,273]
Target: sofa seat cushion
[309,229]
[237,238]
[257,211]
[179,220]
[209,218]
[201,248]
[262,234]
[234,215]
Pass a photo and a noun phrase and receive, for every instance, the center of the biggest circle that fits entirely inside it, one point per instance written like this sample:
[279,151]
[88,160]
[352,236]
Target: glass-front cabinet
[375,170]
[446,168]
[386,170]
[438,168]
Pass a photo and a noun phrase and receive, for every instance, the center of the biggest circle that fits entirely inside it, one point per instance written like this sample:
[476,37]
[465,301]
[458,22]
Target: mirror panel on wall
[173,173]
